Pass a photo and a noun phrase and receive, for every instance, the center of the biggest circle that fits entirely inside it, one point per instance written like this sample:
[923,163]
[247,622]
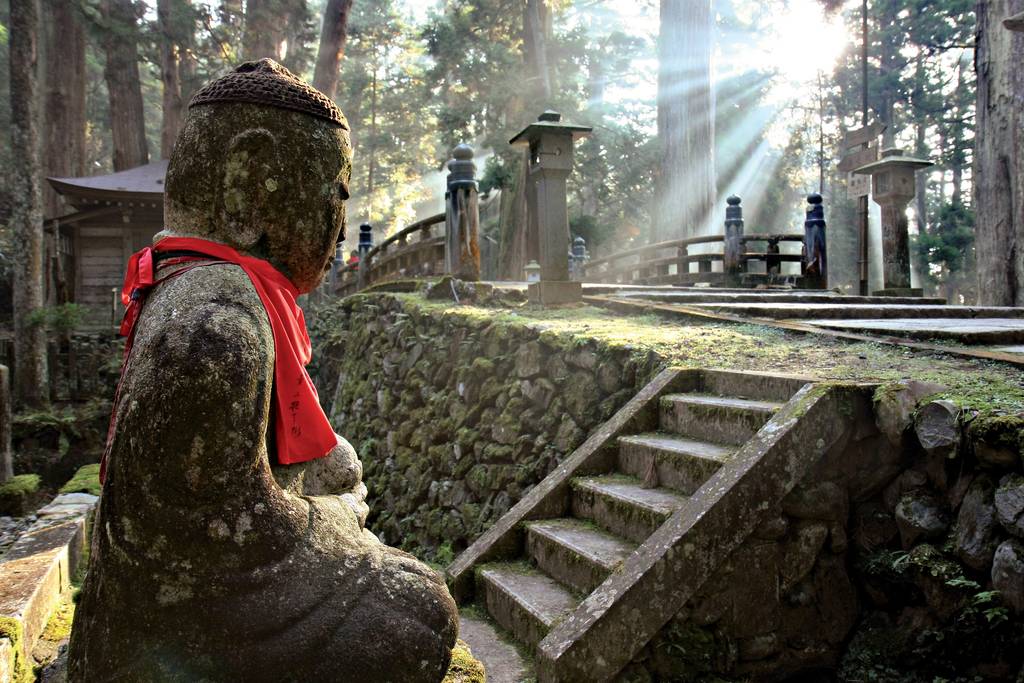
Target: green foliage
[62,319]
[20,485]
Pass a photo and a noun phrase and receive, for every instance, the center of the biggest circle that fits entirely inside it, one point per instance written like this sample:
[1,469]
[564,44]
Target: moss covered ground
[986,386]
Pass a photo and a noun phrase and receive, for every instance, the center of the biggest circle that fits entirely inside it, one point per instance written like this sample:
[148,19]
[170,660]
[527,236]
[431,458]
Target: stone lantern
[892,187]
[551,158]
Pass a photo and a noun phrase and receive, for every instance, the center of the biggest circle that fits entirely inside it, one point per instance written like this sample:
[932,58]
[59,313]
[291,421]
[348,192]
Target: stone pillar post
[462,217]
[732,262]
[893,187]
[551,160]
[6,459]
[815,255]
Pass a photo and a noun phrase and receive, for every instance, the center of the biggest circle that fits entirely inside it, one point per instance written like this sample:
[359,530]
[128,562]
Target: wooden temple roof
[142,186]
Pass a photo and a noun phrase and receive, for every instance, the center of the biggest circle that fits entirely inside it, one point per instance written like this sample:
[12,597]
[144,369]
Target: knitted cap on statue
[209,560]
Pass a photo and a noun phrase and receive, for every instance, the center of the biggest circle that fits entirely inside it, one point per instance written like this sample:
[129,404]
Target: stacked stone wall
[455,418]
[900,558]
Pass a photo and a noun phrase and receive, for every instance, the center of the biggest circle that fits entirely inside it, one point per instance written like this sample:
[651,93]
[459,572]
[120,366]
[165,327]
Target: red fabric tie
[302,430]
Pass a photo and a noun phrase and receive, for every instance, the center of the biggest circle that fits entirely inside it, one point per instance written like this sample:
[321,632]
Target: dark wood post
[815,256]
[462,217]
[6,459]
[772,262]
[733,263]
[365,245]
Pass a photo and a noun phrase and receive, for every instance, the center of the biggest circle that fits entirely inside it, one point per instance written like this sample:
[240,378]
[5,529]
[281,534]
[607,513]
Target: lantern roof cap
[1015,23]
[892,158]
[549,121]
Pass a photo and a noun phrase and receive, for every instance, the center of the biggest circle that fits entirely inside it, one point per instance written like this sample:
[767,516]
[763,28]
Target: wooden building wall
[101,249]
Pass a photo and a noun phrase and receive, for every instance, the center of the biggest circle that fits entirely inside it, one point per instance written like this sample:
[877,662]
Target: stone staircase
[580,571]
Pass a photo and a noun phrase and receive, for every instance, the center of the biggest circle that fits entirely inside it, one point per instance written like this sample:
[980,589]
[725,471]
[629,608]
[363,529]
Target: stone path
[501,660]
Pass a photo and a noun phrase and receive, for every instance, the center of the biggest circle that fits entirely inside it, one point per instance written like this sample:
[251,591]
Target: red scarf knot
[302,431]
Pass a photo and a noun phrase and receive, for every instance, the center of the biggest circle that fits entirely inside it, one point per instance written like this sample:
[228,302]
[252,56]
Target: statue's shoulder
[205,309]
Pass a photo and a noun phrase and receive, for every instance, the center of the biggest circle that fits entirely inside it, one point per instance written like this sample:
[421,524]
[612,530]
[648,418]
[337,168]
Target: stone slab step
[522,600]
[502,660]
[972,331]
[679,463]
[575,552]
[722,296]
[786,310]
[621,505]
[760,386]
[719,419]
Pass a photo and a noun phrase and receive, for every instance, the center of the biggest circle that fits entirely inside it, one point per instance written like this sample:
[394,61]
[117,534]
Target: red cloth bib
[302,431]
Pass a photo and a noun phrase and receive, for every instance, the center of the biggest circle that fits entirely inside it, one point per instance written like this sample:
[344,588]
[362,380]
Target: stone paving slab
[965,331]
[753,296]
[785,310]
[502,661]
[37,569]
[1011,349]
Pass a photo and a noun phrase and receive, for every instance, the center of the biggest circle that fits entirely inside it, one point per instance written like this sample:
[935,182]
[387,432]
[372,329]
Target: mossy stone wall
[456,417]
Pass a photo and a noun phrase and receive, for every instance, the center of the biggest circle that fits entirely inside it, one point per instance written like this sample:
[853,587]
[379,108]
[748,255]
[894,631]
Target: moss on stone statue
[465,668]
[86,480]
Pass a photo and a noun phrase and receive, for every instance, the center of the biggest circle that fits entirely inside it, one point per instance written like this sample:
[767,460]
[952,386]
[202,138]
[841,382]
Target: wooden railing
[414,251]
[671,263]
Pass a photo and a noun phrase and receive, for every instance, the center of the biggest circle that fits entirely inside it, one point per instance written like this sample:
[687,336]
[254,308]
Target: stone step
[621,505]
[759,386]
[502,660]
[719,419]
[785,310]
[680,464]
[724,296]
[575,552]
[522,600]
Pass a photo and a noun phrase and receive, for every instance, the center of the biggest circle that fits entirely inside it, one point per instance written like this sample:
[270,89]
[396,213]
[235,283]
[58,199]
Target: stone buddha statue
[212,559]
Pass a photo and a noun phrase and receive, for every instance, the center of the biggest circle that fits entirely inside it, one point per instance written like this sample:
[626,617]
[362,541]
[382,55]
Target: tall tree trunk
[168,13]
[127,116]
[264,30]
[30,376]
[917,268]
[518,244]
[371,166]
[999,156]
[685,185]
[536,30]
[64,93]
[63,123]
[332,46]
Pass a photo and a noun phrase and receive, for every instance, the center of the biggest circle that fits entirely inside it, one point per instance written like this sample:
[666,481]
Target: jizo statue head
[262,164]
